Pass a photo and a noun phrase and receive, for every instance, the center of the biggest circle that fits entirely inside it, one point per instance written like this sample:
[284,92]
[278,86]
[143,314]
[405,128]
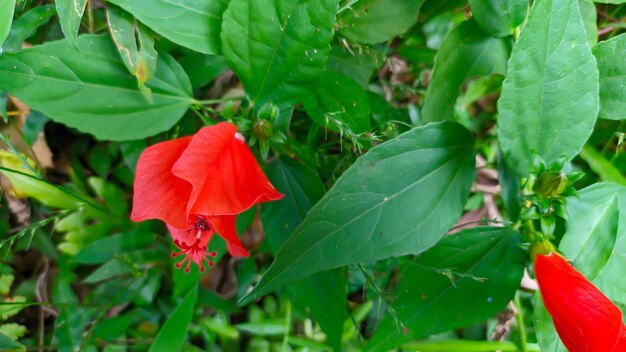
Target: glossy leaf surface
[549,100]
[90,88]
[278,49]
[400,198]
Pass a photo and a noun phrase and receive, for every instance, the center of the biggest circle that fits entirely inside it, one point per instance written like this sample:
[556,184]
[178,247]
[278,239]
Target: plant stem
[287,328]
[521,328]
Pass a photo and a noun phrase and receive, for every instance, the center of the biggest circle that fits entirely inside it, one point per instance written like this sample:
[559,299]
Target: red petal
[223,172]
[187,236]
[225,227]
[585,319]
[621,344]
[158,193]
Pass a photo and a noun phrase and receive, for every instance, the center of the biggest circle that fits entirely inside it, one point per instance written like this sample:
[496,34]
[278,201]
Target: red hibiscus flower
[585,319]
[197,185]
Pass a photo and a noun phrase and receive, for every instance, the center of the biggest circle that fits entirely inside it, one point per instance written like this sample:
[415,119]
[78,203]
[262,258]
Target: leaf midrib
[278,45]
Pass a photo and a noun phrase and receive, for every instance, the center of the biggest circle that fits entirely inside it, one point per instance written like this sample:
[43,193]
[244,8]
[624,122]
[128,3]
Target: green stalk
[466,346]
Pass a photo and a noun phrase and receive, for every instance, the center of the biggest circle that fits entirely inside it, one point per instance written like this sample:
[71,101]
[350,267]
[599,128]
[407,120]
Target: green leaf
[400,198]
[358,65]
[595,240]
[589,15]
[172,335]
[112,328]
[106,248]
[604,168]
[616,2]
[549,100]
[511,190]
[499,17]
[202,69]
[302,188]
[339,102]
[70,15]
[45,192]
[25,26]
[323,294]
[68,326]
[466,52]
[376,21]
[7,9]
[7,344]
[6,281]
[195,24]
[13,330]
[463,280]
[264,328]
[612,66]
[278,49]
[135,43]
[90,89]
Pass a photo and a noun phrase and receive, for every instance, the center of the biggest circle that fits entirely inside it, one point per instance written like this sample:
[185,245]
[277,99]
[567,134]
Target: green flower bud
[551,183]
[262,129]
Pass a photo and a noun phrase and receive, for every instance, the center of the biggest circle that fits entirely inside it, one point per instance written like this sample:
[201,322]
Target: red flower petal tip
[198,185]
[585,319]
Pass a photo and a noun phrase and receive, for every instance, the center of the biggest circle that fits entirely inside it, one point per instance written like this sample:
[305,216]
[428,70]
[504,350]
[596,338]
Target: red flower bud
[585,319]
[197,185]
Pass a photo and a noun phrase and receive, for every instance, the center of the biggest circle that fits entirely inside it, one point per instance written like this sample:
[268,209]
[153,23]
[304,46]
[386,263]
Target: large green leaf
[278,49]
[172,335]
[25,26]
[323,294]
[7,8]
[376,21]
[70,15]
[499,17]
[464,279]
[399,198]
[466,52]
[339,102]
[595,242]
[90,89]
[195,24]
[612,66]
[549,100]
